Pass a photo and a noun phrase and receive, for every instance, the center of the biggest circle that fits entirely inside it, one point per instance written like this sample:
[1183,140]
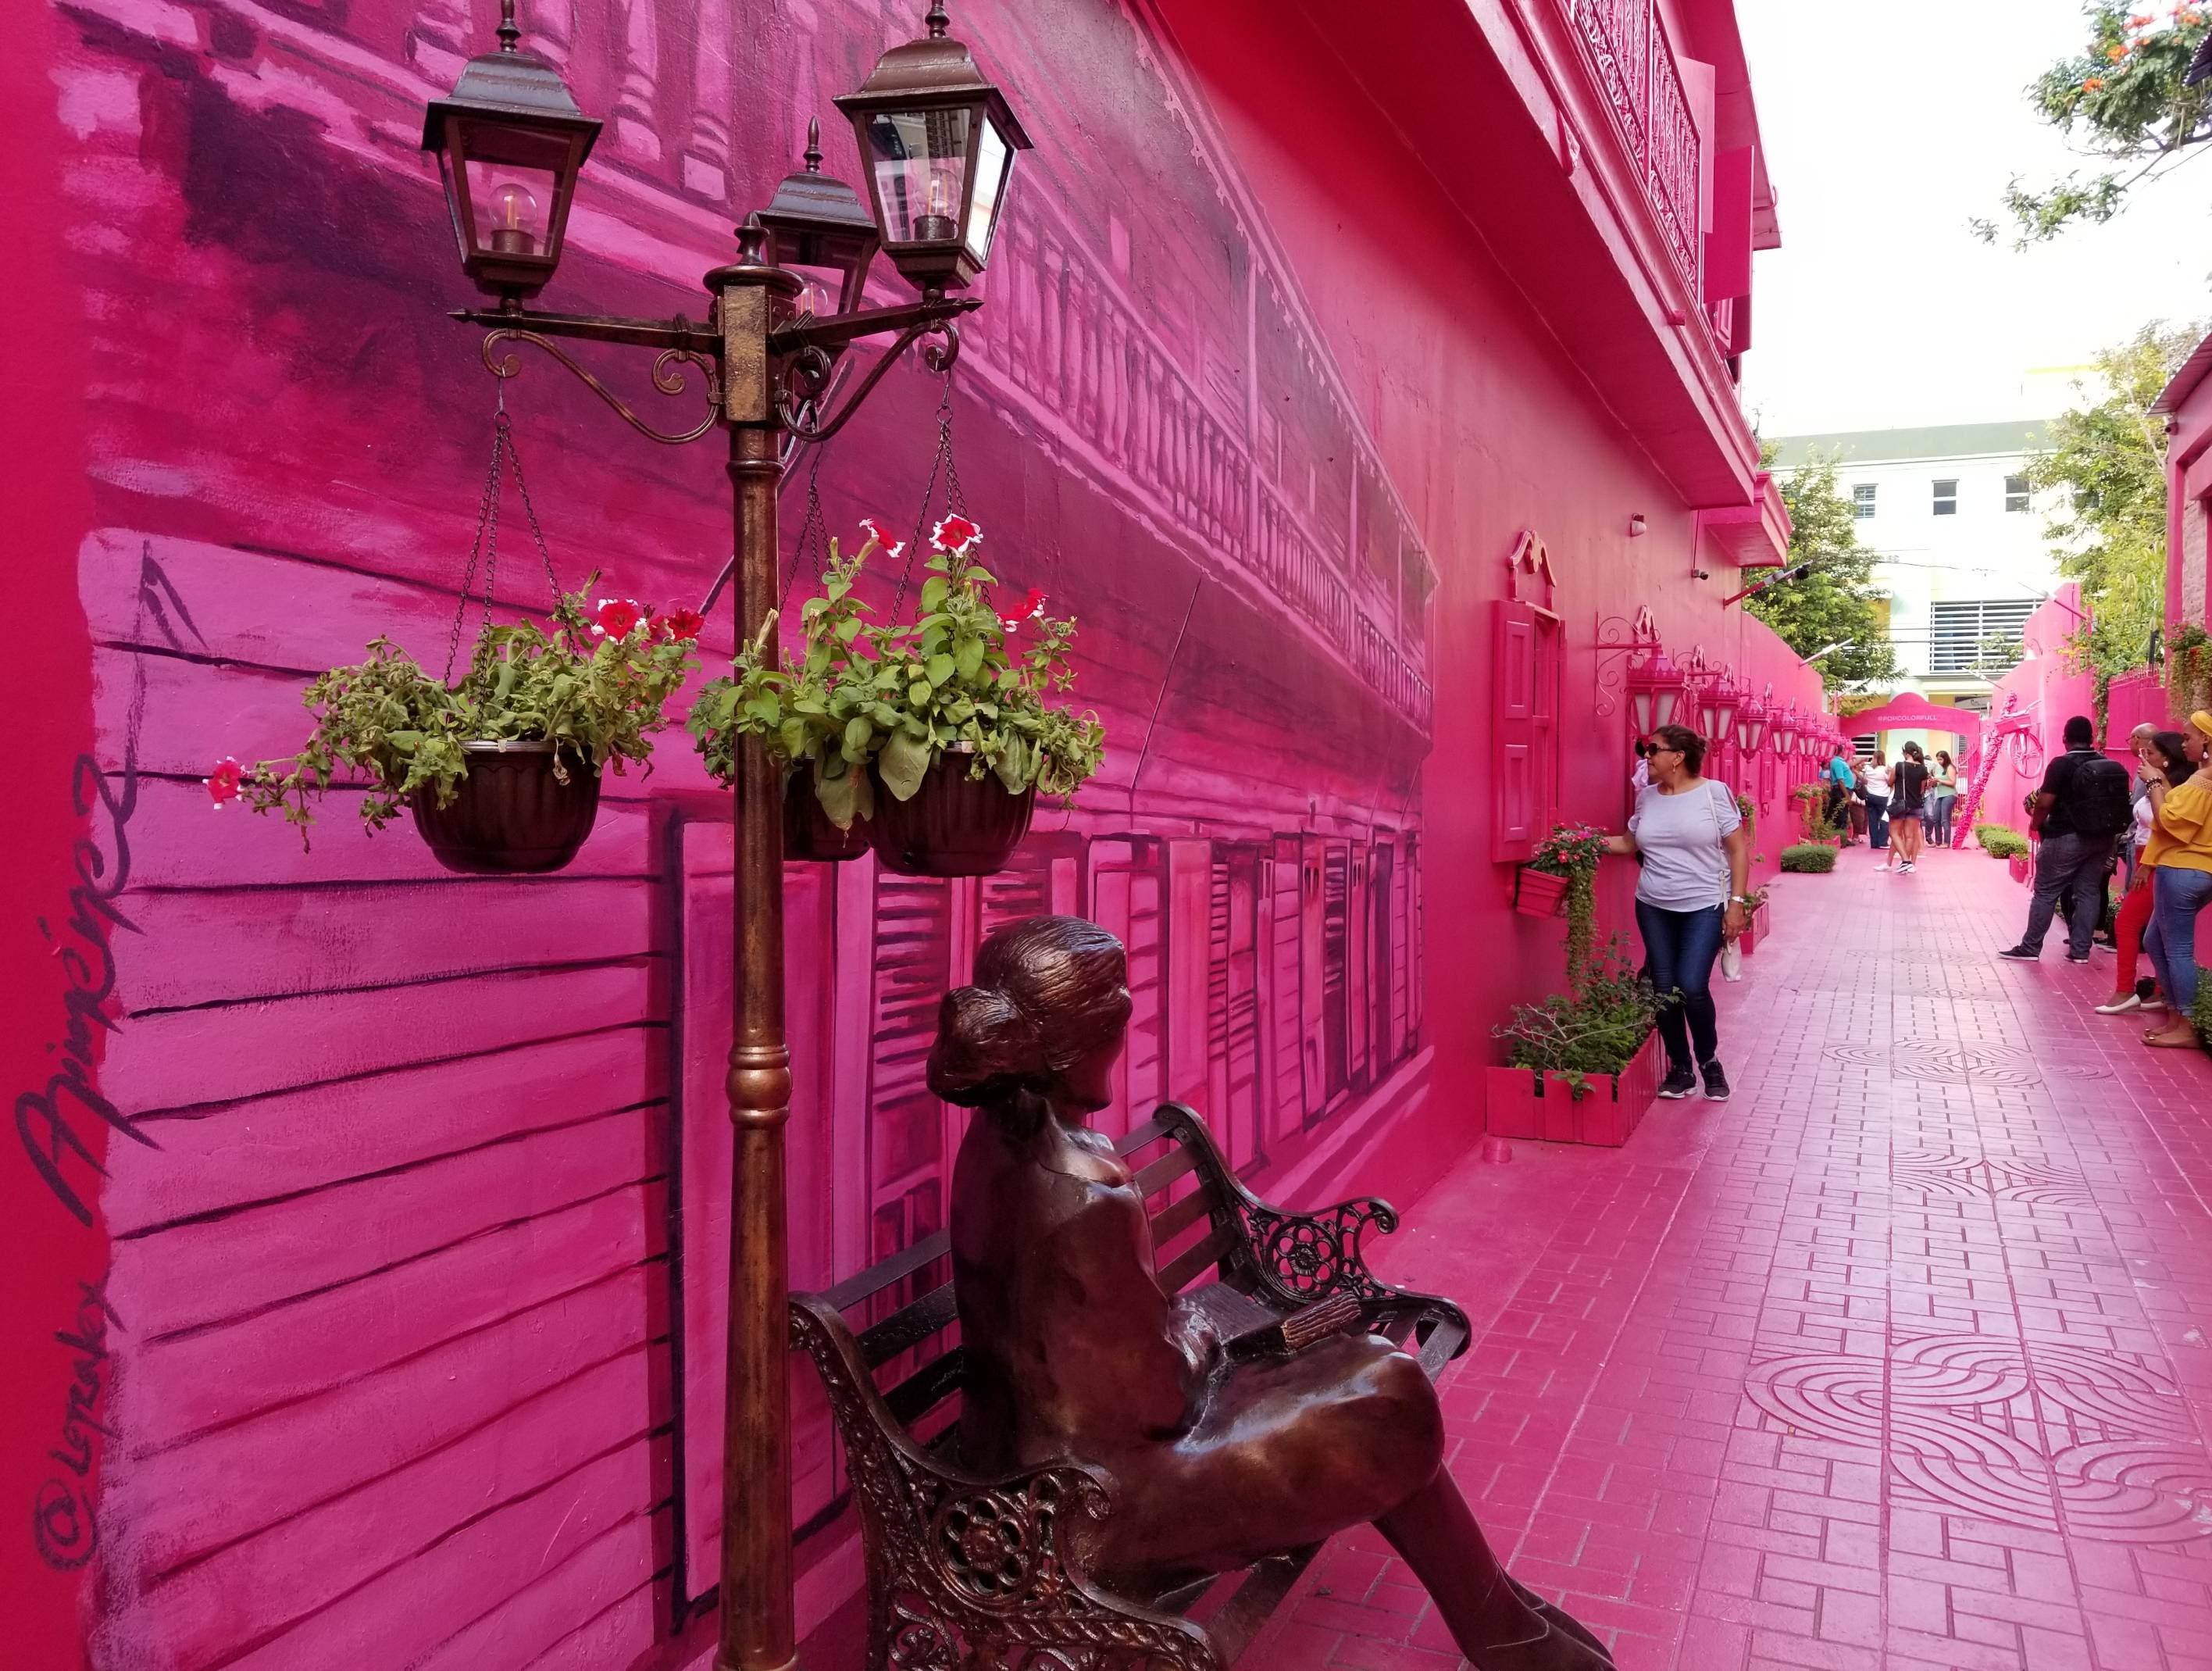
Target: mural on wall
[414,1304]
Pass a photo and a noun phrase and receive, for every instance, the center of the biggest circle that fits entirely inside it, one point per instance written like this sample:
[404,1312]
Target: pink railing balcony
[1625,43]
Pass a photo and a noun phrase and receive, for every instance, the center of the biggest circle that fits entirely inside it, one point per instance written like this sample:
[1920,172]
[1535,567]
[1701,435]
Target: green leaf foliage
[1838,602]
[1999,840]
[958,680]
[388,722]
[2121,103]
[1597,1027]
[2109,455]
[1808,858]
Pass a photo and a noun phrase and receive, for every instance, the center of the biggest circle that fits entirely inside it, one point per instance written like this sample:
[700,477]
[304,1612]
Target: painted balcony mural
[436,1163]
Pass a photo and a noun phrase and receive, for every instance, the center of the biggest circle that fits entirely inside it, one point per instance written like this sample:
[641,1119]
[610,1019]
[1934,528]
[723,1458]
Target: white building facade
[1965,558]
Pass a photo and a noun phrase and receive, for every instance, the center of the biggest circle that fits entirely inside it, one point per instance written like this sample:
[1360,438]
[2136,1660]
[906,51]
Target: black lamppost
[939,141]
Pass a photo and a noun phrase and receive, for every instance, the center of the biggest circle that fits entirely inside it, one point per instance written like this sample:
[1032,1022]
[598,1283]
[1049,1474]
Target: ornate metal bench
[964,1570]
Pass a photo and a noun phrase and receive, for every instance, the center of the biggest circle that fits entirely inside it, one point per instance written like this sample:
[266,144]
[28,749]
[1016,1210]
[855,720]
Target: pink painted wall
[2048,688]
[415,1254]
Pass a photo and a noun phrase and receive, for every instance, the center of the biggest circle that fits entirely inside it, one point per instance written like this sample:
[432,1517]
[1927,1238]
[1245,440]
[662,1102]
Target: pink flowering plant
[1572,850]
[596,684]
[966,678]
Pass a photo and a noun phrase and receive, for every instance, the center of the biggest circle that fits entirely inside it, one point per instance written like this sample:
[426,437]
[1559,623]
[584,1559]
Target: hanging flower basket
[1539,893]
[955,824]
[933,736]
[809,832]
[511,814]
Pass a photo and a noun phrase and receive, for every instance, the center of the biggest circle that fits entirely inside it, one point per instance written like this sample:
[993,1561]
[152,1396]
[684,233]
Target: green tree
[2109,455]
[1838,603]
[2122,103]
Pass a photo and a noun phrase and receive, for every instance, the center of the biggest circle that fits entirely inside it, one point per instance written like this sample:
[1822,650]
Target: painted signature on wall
[54,1121]
[62,1524]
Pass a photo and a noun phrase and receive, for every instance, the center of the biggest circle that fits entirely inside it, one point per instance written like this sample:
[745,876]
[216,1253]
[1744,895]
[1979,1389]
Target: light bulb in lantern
[938,222]
[515,219]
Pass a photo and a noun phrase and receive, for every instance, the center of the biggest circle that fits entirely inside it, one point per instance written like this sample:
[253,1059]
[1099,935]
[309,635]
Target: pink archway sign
[1914,712]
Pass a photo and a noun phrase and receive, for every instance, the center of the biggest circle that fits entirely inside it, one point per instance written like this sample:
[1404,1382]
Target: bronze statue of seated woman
[1220,1457]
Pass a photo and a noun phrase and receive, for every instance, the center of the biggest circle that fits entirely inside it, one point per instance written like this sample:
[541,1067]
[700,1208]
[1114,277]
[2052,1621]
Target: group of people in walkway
[2092,821]
[1905,806]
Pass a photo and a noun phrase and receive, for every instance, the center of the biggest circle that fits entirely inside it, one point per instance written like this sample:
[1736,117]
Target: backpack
[2099,800]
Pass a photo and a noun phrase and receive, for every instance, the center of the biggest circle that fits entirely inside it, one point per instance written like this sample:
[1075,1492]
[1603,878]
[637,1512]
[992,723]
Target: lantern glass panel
[920,159]
[994,167]
[1639,707]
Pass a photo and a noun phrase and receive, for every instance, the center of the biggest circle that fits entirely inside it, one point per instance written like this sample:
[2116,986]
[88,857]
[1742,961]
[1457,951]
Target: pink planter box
[1539,894]
[1544,1107]
[1756,930]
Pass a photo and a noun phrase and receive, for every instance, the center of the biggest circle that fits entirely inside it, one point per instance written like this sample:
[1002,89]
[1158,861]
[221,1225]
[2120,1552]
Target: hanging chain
[956,502]
[812,531]
[486,548]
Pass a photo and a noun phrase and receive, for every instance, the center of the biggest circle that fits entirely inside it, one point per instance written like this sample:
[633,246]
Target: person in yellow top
[2180,858]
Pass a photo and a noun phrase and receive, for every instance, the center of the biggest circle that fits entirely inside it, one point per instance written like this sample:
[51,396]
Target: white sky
[1887,123]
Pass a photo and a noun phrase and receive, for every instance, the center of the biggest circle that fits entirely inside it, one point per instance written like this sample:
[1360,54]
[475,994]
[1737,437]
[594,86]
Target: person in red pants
[2164,764]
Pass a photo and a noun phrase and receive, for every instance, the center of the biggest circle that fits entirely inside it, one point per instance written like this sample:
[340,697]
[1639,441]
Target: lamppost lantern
[1655,687]
[510,141]
[937,142]
[818,228]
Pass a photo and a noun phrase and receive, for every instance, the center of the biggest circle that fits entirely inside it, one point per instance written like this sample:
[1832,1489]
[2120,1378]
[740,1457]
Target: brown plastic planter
[809,832]
[955,825]
[510,814]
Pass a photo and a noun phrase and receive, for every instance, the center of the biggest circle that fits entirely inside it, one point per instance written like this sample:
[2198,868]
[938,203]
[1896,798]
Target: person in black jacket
[2067,813]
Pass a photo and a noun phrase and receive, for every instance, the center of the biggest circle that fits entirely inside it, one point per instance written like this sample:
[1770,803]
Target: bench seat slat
[1151,1131]
[1263,1591]
[927,1388]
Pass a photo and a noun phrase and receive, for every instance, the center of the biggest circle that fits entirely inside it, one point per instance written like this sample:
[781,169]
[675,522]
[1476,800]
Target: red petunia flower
[2093,84]
[679,623]
[875,530]
[617,617]
[222,785]
[955,533]
[2116,53]
[1028,610]
[2139,21]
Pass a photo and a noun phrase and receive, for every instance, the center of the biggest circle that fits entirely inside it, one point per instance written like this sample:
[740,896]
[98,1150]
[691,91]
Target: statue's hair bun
[1045,988]
[985,1047]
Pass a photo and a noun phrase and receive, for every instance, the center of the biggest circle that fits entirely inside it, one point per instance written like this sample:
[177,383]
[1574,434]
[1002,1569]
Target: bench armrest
[956,1558]
[1295,1259]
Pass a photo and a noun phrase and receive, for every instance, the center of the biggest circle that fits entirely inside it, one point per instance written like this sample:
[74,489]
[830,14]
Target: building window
[1977,637]
[2015,493]
[1946,497]
[1863,499]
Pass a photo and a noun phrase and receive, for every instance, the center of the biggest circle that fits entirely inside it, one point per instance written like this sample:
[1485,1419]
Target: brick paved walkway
[1898,1359]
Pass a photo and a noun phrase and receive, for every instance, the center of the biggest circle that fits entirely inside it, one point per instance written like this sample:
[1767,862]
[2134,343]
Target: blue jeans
[1877,821]
[2171,941]
[1939,814]
[1679,948]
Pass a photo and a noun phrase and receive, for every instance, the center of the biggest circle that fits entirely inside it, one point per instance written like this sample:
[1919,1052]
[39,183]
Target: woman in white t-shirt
[1690,897]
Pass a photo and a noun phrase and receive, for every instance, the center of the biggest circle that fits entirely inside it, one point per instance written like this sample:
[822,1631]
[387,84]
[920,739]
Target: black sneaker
[1679,1082]
[1716,1086]
[2022,953]
[2077,957]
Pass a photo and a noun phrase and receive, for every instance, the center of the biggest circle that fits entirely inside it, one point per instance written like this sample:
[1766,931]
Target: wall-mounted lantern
[1750,726]
[1656,686]
[1723,698]
[938,142]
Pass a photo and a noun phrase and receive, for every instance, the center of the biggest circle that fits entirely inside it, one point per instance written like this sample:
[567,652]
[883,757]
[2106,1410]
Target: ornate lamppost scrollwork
[668,377]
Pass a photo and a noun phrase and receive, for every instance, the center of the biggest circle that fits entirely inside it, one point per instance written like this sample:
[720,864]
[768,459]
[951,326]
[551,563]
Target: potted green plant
[1561,878]
[501,771]
[1757,925]
[1581,1066]
[938,733]
[804,709]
